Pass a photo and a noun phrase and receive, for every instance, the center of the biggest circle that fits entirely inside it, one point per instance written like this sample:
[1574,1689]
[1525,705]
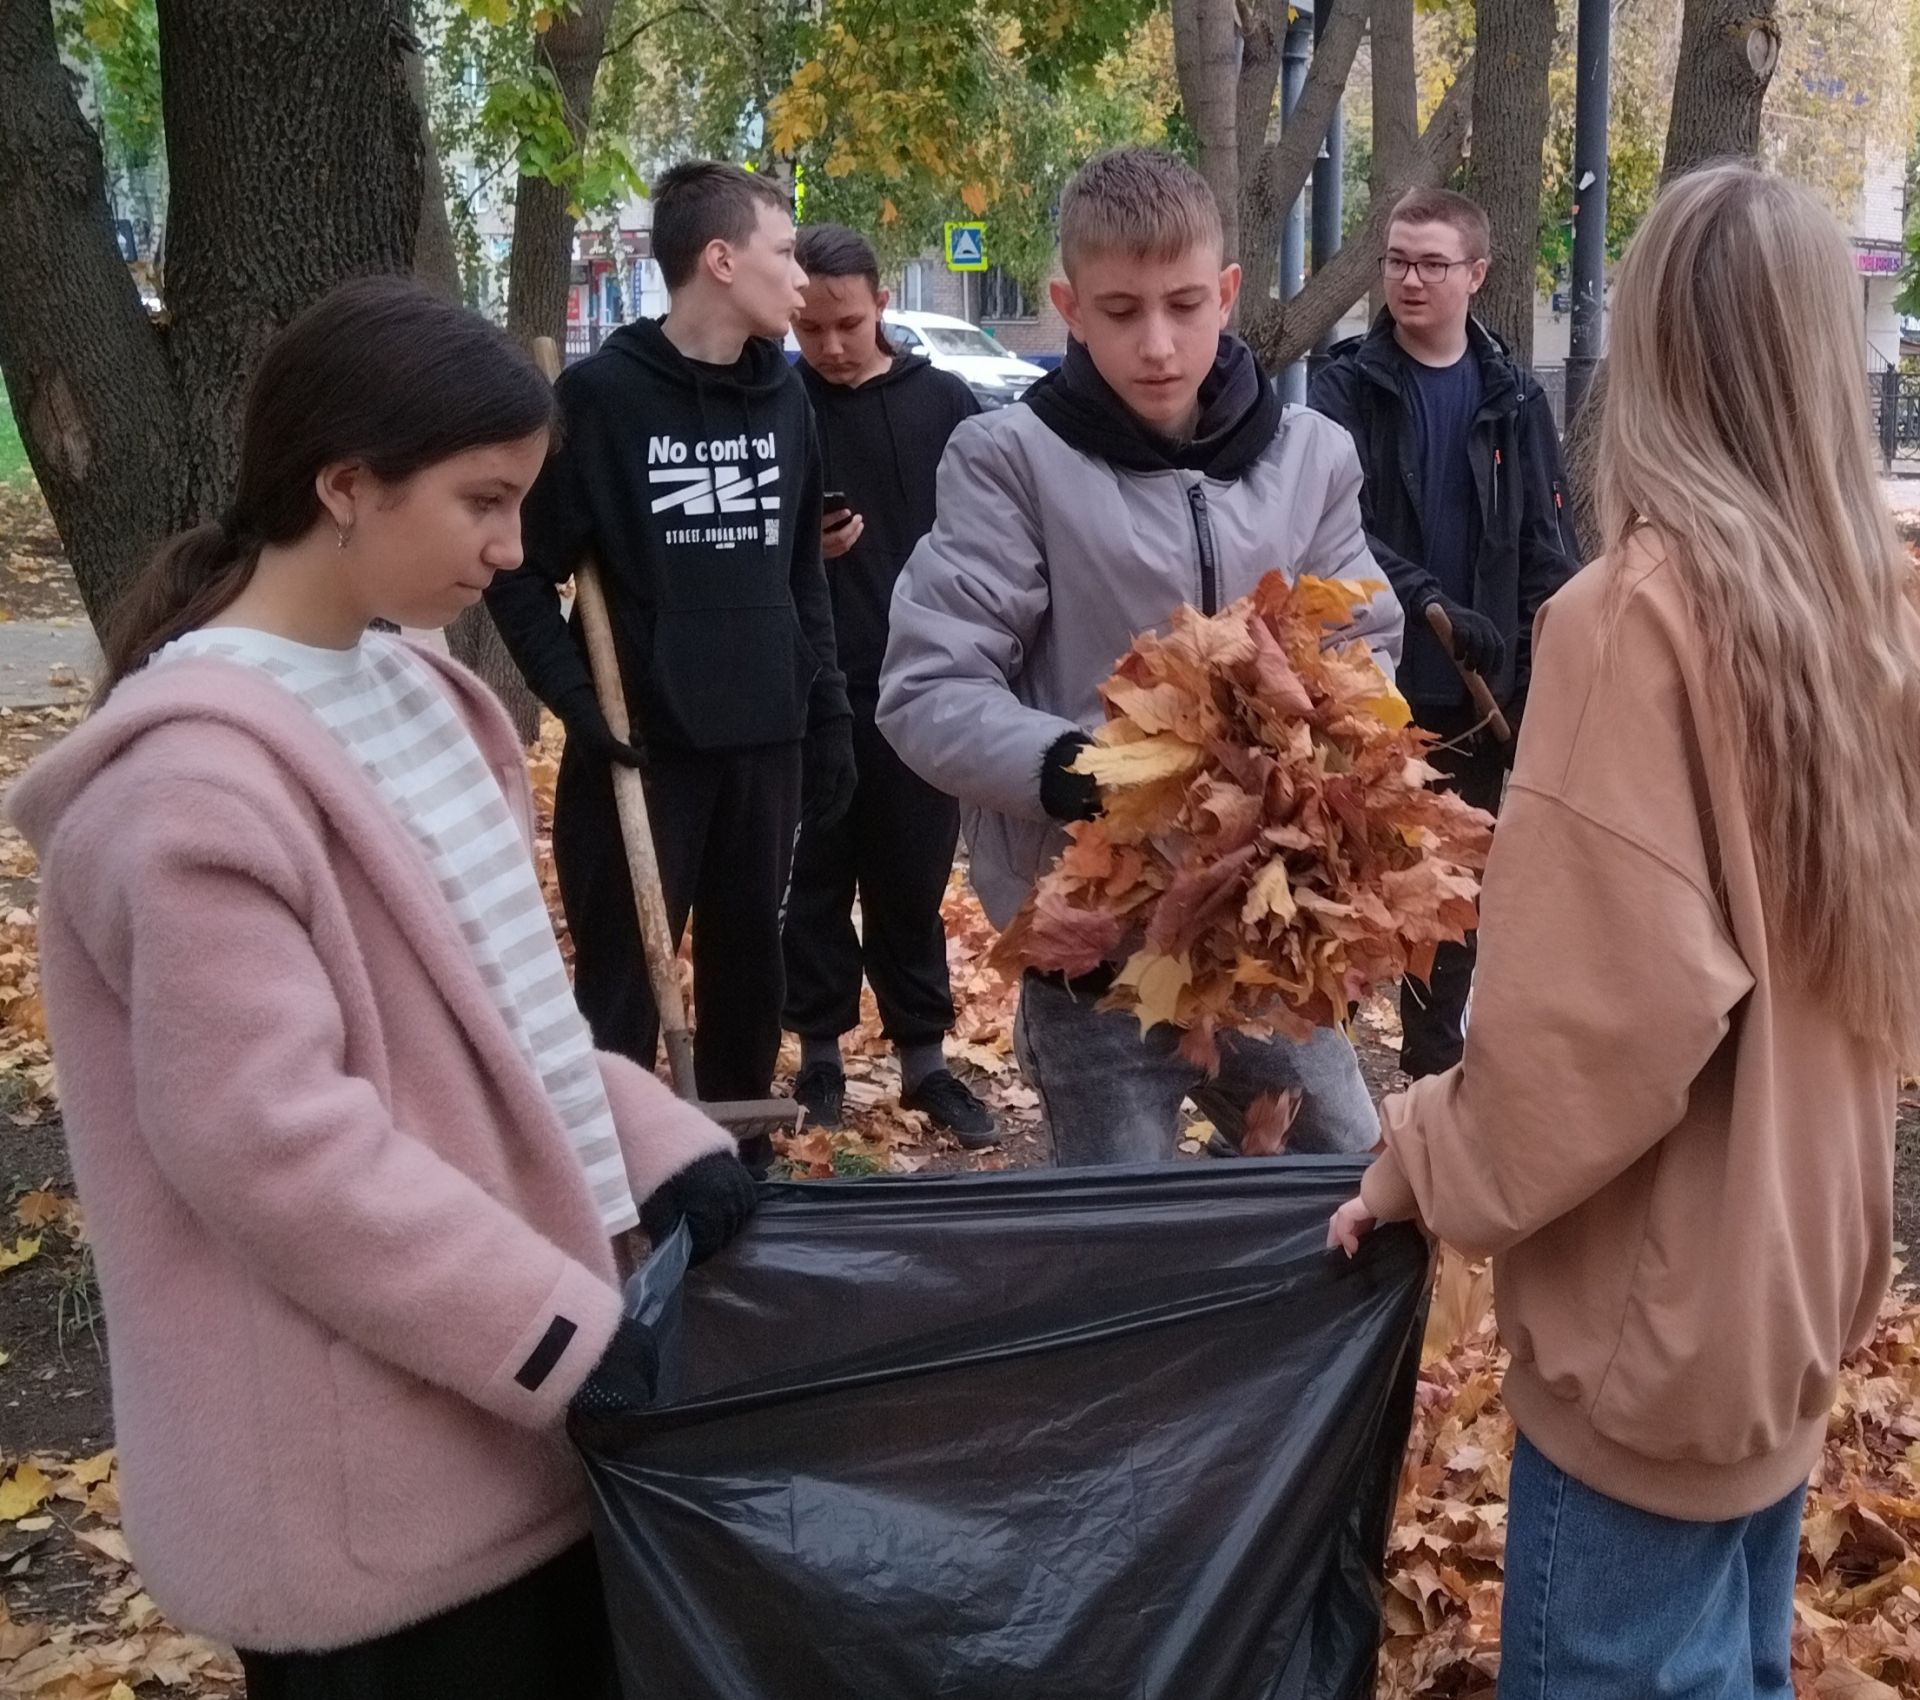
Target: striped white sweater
[386,710]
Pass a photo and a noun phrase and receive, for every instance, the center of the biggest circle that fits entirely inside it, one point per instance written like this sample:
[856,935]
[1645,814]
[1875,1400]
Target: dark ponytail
[379,371]
[186,581]
[832,250]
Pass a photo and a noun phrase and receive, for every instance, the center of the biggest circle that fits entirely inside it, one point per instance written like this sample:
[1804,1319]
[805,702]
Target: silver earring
[344,533]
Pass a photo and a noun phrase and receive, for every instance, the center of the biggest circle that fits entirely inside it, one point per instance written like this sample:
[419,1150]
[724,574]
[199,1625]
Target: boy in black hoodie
[689,468]
[884,419]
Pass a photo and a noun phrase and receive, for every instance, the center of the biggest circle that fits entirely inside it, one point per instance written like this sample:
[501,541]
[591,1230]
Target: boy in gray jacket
[1156,467]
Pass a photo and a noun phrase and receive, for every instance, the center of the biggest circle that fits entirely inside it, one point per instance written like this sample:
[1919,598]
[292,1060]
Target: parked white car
[971,354]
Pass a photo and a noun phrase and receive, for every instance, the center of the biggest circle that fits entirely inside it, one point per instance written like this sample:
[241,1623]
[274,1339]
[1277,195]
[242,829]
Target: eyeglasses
[1431,271]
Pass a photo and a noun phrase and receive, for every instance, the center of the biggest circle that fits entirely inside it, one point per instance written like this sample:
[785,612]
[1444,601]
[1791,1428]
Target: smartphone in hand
[834,511]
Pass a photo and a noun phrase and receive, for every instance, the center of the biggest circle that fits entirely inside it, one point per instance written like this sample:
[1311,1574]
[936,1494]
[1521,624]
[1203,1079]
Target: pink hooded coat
[351,1269]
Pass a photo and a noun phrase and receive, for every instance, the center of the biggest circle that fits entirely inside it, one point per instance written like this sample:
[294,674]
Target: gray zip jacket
[1045,563]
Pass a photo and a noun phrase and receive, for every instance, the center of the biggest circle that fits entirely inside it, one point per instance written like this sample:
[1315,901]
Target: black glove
[827,773]
[625,1377]
[579,712]
[1477,642]
[715,1195]
[1064,795]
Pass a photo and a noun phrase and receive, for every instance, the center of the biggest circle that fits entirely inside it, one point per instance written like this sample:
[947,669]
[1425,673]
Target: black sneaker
[951,1107]
[821,1090]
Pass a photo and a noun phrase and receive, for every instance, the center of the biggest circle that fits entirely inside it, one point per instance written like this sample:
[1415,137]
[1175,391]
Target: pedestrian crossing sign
[966,247]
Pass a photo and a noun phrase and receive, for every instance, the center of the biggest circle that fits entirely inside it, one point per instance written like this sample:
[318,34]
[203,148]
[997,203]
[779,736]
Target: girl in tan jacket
[1699,969]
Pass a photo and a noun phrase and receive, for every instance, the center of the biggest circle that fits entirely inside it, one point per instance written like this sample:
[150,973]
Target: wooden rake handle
[1489,710]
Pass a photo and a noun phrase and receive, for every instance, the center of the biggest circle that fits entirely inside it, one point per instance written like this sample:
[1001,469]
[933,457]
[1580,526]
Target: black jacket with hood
[880,446]
[698,490]
[1528,548]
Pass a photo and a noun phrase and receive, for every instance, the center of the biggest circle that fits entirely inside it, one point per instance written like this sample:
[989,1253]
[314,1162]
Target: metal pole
[1589,201]
[1329,189]
[1295,49]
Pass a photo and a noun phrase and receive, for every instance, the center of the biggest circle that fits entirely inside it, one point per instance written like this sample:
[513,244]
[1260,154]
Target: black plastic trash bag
[1046,1435]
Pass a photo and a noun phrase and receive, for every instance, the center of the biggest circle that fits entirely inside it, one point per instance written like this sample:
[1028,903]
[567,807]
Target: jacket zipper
[1496,487]
[1568,541]
[1203,536]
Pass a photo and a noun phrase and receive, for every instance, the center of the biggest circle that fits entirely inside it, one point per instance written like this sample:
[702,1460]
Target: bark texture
[1206,59]
[295,155]
[86,371]
[296,159]
[1728,51]
[1514,50]
[1263,29]
[1273,174]
[435,262]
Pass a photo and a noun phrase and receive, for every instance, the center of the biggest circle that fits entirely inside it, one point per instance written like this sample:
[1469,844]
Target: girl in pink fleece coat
[352,1169]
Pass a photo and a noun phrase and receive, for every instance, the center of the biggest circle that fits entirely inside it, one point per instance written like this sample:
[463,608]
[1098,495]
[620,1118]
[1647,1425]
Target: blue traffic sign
[966,247]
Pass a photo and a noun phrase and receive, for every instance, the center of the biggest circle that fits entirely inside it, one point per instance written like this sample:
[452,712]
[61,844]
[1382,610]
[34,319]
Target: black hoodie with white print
[697,488]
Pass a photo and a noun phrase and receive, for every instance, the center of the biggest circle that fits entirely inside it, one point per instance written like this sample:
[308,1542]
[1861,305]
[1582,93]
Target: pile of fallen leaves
[1857,1603]
[26,1065]
[118,1641]
[1270,849]
[543,775]
[879,1135]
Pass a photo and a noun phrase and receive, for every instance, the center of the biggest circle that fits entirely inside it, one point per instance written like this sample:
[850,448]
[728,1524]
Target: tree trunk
[86,370]
[1287,331]
[476,643]
[1264,30]
[295,157]
[541,265]
[1279,173]
[1206,57]
[1728,51]
[434,261]
[1513,50]
[1396,99]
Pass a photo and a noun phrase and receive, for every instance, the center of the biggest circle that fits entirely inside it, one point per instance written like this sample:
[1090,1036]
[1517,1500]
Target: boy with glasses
[1465,509]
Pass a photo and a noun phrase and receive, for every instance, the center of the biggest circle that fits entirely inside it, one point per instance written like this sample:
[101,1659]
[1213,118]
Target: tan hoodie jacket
[1680,1162]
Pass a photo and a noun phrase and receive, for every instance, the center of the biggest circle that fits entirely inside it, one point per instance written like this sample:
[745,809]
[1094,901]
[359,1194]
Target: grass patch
[13,452]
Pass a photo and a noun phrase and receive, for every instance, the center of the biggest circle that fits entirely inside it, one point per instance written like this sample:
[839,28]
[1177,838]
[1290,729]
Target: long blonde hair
[1735,427]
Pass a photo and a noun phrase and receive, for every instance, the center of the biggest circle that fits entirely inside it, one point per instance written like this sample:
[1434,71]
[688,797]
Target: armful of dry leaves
[1270,849]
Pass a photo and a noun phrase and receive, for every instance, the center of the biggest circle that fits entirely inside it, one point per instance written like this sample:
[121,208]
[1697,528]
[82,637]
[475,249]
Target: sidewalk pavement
[1902,493]
[46,663]
[53,663]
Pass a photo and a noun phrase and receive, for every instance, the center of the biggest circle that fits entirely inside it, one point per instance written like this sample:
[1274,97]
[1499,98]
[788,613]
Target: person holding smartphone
[884,419]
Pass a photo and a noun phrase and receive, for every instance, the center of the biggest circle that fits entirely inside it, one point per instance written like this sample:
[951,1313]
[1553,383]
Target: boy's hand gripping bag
[1097,1434]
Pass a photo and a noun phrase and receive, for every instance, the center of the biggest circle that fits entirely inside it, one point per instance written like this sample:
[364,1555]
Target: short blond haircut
[1139,203]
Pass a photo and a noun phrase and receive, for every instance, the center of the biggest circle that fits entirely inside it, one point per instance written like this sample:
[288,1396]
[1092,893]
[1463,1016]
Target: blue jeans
[1112,1095]
[1604,1602]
